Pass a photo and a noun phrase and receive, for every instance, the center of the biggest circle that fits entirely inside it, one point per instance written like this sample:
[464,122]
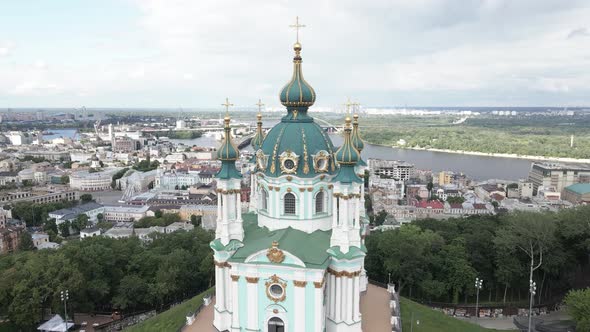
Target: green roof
[311,248]
[228,171]
[579,188]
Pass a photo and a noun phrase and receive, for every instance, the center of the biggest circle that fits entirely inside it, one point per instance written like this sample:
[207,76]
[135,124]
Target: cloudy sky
[171,53]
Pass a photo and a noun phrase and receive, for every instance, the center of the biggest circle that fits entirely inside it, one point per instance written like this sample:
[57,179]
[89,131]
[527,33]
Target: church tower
[256,144]
[295,261]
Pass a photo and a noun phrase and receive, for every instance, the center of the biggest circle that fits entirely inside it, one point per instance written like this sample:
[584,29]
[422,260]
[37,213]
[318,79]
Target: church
[295,261]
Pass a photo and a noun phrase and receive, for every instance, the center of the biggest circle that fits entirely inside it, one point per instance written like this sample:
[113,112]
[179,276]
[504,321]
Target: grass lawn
[171,319]
[434,321]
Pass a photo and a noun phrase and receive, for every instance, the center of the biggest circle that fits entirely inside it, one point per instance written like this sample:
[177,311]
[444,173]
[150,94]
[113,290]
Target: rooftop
[579,188]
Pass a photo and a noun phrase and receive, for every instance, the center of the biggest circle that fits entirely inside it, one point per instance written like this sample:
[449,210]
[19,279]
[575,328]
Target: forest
[438,261]
[548,136]
[103,274]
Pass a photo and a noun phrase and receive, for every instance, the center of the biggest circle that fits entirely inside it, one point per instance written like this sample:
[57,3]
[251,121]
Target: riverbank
[498,155]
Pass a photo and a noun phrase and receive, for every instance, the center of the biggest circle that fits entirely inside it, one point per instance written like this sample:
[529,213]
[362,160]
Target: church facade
[295,261]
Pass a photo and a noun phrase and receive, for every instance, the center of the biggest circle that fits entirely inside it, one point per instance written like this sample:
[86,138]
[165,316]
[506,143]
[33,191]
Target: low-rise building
[92,181]
[39,239]
[89,232]
[91,209]
[48,195]
[125,212]
[578,193]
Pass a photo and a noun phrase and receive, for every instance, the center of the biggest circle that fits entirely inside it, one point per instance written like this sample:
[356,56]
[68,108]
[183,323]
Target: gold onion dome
[297,93]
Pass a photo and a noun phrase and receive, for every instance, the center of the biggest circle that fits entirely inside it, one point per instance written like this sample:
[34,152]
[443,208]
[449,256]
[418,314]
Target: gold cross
[348,104]
[259,104]
[227,104]
[297,26]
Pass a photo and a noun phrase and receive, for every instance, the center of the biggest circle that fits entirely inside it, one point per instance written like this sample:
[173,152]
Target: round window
[276,290]
[322,163]
[289,164]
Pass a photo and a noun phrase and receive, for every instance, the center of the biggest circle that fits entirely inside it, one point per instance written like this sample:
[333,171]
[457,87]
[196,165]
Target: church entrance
[276,324]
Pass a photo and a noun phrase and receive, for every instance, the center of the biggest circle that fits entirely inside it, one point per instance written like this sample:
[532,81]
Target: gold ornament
[274,280]
[274,254]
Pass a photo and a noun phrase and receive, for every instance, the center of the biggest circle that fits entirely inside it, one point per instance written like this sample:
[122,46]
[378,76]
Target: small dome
[347,154]
[355,137]
[297,93]
[227,151]
[259,136]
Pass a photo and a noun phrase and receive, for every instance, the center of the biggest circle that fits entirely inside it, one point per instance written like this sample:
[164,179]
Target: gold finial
[347,105]
[275,244]
[297,26]
[259,104]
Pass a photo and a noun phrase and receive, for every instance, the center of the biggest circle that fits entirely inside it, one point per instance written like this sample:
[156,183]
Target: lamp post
[532,290]
[478,285]
[65,296]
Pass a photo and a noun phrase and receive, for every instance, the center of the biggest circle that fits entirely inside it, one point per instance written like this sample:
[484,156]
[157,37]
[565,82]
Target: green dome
[228,154]
[302,141]
[347,154]
[227,151]
[259,136]
[355,137]
[297,93]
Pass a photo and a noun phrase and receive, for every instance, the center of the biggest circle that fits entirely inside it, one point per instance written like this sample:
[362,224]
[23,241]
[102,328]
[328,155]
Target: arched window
[319,202]
[289,202]
[264,199]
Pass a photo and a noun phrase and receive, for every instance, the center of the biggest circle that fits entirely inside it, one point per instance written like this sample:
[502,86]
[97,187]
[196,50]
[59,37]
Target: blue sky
[171,53]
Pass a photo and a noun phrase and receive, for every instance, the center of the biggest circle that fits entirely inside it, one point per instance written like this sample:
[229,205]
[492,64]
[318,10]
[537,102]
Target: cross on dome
[227,104]
[297,26]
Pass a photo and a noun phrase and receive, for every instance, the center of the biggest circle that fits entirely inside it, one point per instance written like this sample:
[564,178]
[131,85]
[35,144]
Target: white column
[219,289]
[357,299]
[235,304]
[332,304]
[239,207]
[334,212]
[219,200]
[357,215]
[345,213]
[252,290]
[338,306]
[349,298]
[228,289]
[301,209]
[225,207]
[319,310]
[299,323]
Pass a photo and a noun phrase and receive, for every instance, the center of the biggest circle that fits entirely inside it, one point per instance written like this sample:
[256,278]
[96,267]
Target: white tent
[55,324]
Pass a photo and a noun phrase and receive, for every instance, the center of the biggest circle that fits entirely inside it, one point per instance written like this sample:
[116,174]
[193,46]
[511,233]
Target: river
[477,167]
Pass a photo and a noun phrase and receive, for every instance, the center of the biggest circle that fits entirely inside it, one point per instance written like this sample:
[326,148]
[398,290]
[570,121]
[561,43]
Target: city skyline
[187,54]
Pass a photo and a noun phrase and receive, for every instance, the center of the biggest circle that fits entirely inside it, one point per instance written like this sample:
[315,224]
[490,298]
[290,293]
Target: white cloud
[197,52]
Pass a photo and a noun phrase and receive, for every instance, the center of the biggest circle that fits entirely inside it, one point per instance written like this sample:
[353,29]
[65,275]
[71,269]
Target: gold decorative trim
[299,283]
[221,264]
[274,280]
[277,189]
[274,152]
[288,190]
[318,158]
[301,189]
[289,178]
[339,274]
[305,164]
[330,186]
[322,177]
[274,254]
[270,187]
[310,189]
[252,280]
[261,160]
[235,278]
[284,157]
[319,284]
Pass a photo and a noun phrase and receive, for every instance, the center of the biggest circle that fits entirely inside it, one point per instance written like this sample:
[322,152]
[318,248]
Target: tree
[196,220]
[64,228]
[429,186]
[85,198]
[100,217]
[158,213]
[26,241]
[458,271]
[380,218]
[80,223]
[64,179]
[578,306]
